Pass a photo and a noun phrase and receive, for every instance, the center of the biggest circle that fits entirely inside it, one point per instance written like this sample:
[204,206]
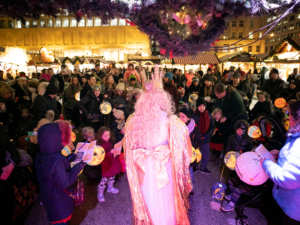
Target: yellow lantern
[98,156]
[73,136]
[196,155]
[254,132]
[287,125]
[280,103]
[77,96]
[230,159]
[105,108]
[66,151]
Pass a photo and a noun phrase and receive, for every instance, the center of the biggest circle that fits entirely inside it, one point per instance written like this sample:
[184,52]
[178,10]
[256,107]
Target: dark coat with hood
[20,93]
[85,90]
[289,94]
[205,138]
[260,108]
[274,88]
[70,93]
[54,173]
[191,89]
[89,104]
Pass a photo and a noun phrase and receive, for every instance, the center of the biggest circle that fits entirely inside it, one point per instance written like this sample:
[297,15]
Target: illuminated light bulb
[178,31]
[272,35]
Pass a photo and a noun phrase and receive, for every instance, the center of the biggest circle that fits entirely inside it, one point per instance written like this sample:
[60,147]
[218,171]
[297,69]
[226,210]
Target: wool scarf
[204,122]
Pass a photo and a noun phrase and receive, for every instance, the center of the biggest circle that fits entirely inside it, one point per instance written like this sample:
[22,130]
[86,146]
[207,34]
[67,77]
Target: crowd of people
[214,105]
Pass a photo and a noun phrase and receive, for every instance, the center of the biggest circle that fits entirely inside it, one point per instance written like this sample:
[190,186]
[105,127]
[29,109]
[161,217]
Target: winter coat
[111,166]
[61,82]
[20,93]
[250,89]
[54,173]
[177,81]
[232,106]
[189,78]
[265,107]
[85,90]
[134,72]
[241,87]
[89,104]
[119,100]
[195,136]
[12,112]
[274,88]
[286,177]
[172,90]
[209,105]
[236,145]
[205,138]
[118,77]
[191,89]
[289,94]
[118,132]
[42,104]
[292,77]
[220,133]
[70,93]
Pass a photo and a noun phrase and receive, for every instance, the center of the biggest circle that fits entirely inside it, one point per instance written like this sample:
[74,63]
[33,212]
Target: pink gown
[160,203]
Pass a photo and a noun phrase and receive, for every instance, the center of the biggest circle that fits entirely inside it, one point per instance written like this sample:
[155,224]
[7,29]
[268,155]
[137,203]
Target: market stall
[285,57]
[198,62]
[244,60]
[83,62]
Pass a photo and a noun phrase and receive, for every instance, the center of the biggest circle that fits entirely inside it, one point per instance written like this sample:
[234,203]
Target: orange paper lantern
[73,136]
[280,103]
[254,132]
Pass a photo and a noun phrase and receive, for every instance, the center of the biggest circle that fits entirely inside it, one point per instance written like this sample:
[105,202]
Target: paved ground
[117,208]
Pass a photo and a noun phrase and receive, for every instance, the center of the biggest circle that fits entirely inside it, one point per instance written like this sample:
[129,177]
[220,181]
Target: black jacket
[274,88]
[265,107]
[289,94]
[42,104]
[221,133]
[243,145]
[195,136]
[54,173]
[191,89]
[209,105]
[61,81]
[205,138]
[20,93]
[85,90]
[89,104]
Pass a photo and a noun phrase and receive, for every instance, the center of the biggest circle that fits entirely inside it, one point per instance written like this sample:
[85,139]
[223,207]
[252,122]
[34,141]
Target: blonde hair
[5,89]
[217,110]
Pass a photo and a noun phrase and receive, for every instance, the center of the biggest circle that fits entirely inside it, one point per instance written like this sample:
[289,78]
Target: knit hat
[181,90]
[236,75]
[208,77]
[121,85]
[274,70]
[200,101]
[296,82]
[51,89]
[186,112]
[241,124]
[96,87]
[118,113]
[195,78]
[132,77]
[209,69]
[191,71]
[169,75]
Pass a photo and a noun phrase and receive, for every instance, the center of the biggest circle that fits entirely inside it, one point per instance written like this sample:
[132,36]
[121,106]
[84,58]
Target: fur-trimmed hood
[42,88]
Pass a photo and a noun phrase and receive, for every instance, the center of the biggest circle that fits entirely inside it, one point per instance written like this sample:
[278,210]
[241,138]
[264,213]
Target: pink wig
[146,122]
[64,127]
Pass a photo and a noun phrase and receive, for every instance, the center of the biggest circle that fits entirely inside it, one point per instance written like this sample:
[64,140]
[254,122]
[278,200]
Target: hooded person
[195,87]
[171,88]
[290,93]
[275,85]
[130,70]
[54,172]
[189,77]
[43,103]
[133,82]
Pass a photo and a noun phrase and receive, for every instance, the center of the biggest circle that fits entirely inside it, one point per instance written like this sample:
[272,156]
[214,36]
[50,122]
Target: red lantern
[163,51]
[79,13]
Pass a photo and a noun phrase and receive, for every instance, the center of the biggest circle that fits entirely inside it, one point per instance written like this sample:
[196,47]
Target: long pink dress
[160,203]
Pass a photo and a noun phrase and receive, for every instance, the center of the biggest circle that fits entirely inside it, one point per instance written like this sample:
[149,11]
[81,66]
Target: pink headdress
[155,84]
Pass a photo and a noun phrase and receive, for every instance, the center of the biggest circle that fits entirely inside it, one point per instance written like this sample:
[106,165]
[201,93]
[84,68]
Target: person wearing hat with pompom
[89,105]
[171,88]
[206,126]
[54,172]
[46,102]
[119,99]
[275,85]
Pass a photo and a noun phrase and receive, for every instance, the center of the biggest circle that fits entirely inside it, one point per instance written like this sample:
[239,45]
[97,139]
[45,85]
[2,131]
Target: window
[157,49]
[292,18]
[2,23]
[283,28]
[286,20]
[297,25]
[266,50]
[27,24]
[81,22]
[274,18]
[73,22]
[65,22]
[258,48]
[233,23]
[34,24]
[240,34]
[58,22]
[226,36]
[251,35]
[42,23]
[240,47]
[89,23]
[10,24]
[269,19]
[233,35]
[49,23]
[114,22]
[249,49]
[19,24]
[241,23]
[225,49]
[97,22]
[271,48]
[291,27]
[251,23]
[233,50]
[122,22]
[227,24]
[278,30]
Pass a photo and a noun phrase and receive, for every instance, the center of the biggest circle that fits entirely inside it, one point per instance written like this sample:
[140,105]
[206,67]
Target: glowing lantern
[249,169]
[218,190]
[66,151]
[254,132]
[193,98]
[73,136]
[287,125]
[77,96]
[230,159]
[280,103]
[105,108]
[98,156]
[196,155]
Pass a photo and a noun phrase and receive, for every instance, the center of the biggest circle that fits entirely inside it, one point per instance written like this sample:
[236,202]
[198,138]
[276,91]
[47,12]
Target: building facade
[64,36]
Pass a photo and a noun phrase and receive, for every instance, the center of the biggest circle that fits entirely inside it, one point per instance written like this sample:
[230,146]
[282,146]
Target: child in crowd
[182,96]
[195,87]
[268,127]
[111,166]
[133,82]
[195,136]
[218,138]
[206,127]
[24,121]
[119,100]
[117,124]
[240,141]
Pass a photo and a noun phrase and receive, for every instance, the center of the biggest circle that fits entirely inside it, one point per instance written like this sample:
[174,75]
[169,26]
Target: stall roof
[201,58]
[283,47]
[242,57]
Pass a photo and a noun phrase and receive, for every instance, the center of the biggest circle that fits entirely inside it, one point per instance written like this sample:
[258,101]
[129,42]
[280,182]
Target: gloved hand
[89,116]
[6,171]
